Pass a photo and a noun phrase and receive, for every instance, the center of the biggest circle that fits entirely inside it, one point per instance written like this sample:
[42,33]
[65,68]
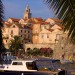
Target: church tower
[27,13]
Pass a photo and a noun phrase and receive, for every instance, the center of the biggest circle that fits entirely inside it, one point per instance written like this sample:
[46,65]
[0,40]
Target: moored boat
[24,67]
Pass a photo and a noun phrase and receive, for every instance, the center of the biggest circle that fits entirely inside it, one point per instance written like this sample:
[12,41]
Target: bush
[42,51]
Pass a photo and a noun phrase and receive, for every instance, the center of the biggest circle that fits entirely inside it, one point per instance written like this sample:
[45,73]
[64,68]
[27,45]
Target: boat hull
[26,73]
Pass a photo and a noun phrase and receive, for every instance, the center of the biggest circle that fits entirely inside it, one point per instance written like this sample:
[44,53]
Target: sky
[16,8]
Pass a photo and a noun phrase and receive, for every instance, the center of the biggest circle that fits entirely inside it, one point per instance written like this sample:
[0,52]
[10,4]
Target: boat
[24,67]
[19,65]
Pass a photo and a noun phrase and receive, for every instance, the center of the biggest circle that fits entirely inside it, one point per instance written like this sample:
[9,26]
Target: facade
[11,30]
[36,31]
[53,21]
[27,34]
[32,31]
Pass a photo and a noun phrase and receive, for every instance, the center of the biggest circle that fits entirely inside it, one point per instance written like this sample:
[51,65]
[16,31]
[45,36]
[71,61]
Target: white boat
[23,67]
[20,65]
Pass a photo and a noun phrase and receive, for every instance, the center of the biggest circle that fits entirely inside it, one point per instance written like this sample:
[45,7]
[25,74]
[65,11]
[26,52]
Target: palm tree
[1,25]
[16,45]
[65,10]
[1,20]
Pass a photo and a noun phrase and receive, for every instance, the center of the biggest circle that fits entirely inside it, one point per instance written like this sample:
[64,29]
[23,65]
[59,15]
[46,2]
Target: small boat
[20,65]
[23,67]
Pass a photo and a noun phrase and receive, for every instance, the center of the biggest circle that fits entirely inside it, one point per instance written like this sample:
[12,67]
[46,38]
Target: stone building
[33,31]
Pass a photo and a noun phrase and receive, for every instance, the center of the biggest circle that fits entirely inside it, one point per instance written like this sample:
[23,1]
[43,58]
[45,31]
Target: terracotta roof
[25,19]
[19,25]
[34,20]
[39,19]
[15,19]
[7,24]
[31,21]
[42,23]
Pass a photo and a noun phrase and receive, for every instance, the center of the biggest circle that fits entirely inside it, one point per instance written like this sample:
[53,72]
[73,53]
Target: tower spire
[27,13]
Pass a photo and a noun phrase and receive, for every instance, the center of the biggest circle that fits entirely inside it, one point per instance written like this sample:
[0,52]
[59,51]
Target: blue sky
[16,8]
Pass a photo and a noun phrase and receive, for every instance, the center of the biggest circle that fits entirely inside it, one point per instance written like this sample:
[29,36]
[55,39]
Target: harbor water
[46,67]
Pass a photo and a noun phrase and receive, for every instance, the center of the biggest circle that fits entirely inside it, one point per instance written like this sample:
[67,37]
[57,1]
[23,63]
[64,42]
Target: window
[11,35]
[25,31]
[11,31]
[6,40]
[21,31]
[14,26]
[28,31]
[17,63]
[21,35]
[31,65]
[29,40]
[47,36]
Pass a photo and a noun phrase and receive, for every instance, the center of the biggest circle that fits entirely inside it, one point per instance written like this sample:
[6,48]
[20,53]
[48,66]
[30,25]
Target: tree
[29,51]
[16,44]
[46,51]
[65,10]
[36,51]
[1,25]
[1,22]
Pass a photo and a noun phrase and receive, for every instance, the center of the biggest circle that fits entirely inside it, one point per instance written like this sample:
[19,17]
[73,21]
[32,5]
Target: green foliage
[1,24]
[2,49]
[35,51]
[29,51]
[65,10]
[15,44]
[48,52]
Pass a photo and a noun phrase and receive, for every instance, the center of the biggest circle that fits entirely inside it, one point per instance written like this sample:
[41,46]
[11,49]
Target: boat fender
[22,73]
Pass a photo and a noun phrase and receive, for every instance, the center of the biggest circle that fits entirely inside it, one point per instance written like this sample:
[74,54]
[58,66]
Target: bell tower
[27,13]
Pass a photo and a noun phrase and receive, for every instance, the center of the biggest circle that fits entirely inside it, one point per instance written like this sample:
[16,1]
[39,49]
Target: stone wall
[64,48]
